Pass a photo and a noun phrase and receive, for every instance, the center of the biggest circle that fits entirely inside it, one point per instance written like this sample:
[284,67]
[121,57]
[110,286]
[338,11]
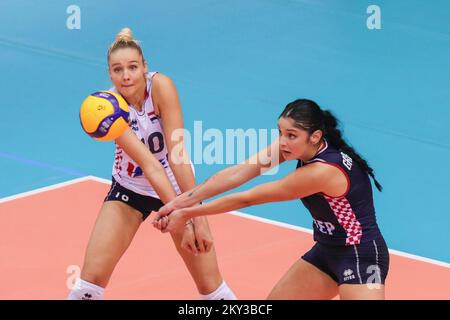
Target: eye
[133,67]
[292,136]
[116,70]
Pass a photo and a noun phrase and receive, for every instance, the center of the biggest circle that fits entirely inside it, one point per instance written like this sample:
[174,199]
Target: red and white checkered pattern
[118,160]
[346,218]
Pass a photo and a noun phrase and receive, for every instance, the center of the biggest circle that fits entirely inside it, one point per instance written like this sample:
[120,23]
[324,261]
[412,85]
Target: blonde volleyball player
[146,174]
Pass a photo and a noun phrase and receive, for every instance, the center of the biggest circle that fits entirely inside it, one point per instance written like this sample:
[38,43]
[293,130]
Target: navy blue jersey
[348,219]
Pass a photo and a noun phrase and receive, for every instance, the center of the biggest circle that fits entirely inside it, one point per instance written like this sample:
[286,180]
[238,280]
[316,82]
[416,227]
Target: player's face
[127,71]
[295,143]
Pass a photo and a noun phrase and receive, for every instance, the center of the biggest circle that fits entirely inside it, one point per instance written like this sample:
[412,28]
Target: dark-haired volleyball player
[350,257]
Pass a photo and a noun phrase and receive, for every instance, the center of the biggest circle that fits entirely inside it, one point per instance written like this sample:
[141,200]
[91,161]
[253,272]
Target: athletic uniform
[129,184]
[349,245]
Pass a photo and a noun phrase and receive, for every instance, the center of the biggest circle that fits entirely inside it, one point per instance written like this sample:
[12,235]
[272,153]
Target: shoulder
[317,169]
[307,180]
[165,96]
[336,158]
[161,82]
[164,91]
[321,172]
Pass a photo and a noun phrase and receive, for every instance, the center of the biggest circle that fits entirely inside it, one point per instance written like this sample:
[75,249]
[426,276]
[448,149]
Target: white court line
[272,222]
[99,179]
[423,259]
[293,227]
[235,213]
[52,187]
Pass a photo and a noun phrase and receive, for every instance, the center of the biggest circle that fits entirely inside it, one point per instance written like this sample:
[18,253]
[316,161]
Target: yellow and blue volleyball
[104,115]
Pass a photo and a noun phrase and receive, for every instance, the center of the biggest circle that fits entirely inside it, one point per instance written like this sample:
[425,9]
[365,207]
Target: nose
[282,141]
[126,75]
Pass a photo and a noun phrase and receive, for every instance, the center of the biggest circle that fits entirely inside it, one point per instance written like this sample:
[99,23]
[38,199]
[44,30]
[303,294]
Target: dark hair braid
[308,116]
[334,135]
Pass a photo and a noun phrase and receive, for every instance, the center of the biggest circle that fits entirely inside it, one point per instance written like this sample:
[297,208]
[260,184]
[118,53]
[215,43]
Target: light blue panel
[237,64]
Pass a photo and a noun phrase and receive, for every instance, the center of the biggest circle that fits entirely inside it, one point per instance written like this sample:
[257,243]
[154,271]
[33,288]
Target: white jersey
[147,126]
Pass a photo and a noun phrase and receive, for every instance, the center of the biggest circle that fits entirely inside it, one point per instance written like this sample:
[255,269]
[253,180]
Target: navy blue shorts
[143,204]
[366,263]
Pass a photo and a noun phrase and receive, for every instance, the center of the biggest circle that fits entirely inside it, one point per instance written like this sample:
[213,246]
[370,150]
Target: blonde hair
[125,39]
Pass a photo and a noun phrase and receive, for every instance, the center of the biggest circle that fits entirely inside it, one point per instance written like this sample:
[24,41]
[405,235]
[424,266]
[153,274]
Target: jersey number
[155,142]
[124,197]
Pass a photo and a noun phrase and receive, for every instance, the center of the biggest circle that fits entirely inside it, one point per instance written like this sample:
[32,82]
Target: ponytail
[334,135]
[308,116]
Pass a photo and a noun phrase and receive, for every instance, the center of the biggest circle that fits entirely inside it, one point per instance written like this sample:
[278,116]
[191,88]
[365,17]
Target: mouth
[127,86]
[284,152]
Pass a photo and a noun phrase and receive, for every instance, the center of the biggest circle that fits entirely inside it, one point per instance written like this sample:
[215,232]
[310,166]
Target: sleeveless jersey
[148,127]
[348,219]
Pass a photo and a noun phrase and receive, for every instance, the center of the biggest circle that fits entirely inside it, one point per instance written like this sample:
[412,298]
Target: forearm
[225,204]
[184,175]
[186,181]
[268,192]
[221,182]
[151,167]
[160,182]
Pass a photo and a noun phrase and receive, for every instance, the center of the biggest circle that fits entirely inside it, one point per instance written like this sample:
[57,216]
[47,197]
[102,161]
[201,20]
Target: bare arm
[305,181]
[227,179]
[298,184]
[165,95]
[151,167]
